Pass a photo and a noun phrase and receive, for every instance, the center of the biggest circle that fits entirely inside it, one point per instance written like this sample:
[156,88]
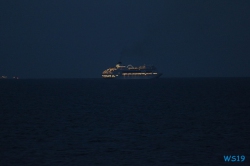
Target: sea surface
[166,121]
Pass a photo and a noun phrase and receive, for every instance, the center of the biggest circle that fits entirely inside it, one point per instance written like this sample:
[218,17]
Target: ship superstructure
[131,72]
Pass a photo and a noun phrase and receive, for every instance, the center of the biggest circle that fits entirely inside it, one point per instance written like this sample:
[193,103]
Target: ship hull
[134,77]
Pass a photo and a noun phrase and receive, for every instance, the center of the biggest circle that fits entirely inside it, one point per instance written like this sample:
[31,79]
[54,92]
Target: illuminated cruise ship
[131,72]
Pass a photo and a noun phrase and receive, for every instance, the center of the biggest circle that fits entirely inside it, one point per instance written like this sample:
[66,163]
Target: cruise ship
[131,72]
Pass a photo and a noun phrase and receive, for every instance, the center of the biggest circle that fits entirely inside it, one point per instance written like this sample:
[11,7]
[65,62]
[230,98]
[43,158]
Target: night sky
[79,39]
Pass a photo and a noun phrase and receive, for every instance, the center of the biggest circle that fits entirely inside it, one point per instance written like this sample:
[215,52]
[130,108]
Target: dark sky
[79,39]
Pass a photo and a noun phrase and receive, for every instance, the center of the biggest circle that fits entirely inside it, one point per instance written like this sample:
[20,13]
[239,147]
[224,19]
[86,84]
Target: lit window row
[108,76]
[137,74]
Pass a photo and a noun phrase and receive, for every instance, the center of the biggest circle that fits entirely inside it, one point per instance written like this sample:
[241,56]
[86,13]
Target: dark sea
[166,121]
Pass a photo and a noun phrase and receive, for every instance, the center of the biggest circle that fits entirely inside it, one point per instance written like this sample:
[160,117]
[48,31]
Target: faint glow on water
[124,122]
